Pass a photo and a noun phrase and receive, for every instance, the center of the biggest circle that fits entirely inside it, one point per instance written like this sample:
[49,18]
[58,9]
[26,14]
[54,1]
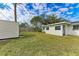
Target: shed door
[63,30]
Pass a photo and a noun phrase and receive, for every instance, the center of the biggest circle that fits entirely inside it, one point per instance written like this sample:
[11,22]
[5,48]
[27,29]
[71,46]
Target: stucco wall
[73,32]
[68,30]
[8,29]
[53,31]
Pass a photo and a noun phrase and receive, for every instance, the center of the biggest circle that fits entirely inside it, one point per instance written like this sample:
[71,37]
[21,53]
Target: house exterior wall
[8,29]
[69,30]
[53,31]
[73,32]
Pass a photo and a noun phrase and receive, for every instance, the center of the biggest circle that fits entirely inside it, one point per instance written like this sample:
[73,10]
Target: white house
[8,29]
[62,28]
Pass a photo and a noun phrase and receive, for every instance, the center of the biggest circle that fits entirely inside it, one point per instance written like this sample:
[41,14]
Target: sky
[26,11]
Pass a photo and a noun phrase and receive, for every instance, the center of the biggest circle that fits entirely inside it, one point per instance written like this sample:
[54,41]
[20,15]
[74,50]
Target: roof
[75,22]
[60,23]
[7,21]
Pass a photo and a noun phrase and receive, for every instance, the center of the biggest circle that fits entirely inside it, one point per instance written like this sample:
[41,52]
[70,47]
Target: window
[47,28]
[57,27]
[75,27]
[43,28]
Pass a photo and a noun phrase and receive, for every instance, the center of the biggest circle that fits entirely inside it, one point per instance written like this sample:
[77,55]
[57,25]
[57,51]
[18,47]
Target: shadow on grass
[21,36]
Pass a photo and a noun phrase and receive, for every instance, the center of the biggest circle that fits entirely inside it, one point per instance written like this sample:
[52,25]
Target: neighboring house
[62,28]
[8,29]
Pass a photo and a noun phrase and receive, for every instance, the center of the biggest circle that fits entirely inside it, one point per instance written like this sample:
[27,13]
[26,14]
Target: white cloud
[27,16]
[58,13]
[38,6]
[6,14]
[71,7]
[67,4]
[49,13]
[63,9]
[56,6]
[69,12]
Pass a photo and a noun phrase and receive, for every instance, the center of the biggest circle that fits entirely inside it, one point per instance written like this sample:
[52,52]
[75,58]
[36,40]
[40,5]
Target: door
[63,30]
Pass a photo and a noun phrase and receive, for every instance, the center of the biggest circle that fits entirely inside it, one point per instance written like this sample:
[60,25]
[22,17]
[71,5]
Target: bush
[28,28]
[37,29]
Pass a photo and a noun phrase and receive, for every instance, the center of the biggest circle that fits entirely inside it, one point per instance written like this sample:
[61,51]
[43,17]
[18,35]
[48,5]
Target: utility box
[8,29]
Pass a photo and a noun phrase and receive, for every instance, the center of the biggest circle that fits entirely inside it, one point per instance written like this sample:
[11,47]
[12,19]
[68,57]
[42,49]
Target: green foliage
[54,19]
[37,23]
[36,20]
[37,29]
[25,27]
[22,25]
[43,19]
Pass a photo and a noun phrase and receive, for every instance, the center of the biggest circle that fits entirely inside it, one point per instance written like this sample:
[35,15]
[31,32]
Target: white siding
[53,31]
[8,29]
[67,29]
[70,31]
[73,32]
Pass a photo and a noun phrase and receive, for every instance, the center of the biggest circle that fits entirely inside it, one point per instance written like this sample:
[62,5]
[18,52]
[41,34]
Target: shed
[8,29]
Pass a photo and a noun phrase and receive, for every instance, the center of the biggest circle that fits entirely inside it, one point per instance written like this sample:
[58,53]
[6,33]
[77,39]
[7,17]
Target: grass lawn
[40,44]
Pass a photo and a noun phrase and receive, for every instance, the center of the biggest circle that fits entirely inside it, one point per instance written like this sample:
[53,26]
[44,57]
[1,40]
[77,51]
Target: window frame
[75,27]
[43,28]
[57,27]
[47,28]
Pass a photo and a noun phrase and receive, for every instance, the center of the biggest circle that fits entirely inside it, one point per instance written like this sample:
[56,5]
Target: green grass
[40,44]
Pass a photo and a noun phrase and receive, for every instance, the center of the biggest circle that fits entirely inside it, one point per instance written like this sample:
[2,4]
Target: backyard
[40,44]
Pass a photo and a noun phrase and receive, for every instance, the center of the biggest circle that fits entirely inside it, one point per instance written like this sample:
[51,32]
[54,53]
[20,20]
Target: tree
[62,19]
[37,23]
[54,19]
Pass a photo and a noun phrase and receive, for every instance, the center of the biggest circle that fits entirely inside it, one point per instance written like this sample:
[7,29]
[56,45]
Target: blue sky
[27,11]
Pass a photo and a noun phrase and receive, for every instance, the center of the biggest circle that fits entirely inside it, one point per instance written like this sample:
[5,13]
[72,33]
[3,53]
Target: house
[62,28]
[8,29]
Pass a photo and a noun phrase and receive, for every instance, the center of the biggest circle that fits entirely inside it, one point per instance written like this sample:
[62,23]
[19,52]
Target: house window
[57,27]
[75,27]
[47,28]
[43,28]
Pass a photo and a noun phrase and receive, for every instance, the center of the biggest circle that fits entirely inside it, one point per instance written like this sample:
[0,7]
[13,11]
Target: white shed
[8,29]
[62,28]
